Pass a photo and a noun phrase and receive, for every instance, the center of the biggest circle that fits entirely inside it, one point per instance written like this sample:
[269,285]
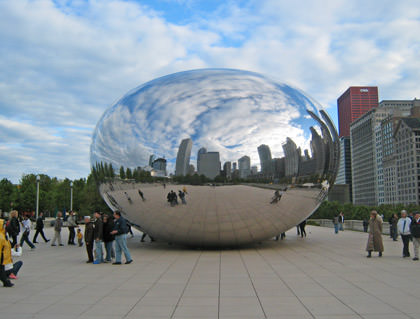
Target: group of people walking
[408,227]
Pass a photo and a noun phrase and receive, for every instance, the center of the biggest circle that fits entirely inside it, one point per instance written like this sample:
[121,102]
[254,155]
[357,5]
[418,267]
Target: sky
[63,63]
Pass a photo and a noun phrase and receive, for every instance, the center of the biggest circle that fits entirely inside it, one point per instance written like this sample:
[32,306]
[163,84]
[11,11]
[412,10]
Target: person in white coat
[403,227]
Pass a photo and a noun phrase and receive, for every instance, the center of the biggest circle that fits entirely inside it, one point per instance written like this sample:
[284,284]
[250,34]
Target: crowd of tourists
[105,239]
[406,225]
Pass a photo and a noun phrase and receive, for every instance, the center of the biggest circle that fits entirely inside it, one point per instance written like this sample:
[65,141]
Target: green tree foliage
[329,209]
[54,195]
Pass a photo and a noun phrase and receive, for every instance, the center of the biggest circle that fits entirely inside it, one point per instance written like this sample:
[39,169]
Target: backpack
[415,230]
[9,229]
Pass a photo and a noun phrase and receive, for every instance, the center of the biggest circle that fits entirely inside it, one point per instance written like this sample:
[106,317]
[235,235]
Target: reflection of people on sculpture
[144,236]
[172,198]
[181,195]
[141,195]
[324,190]
[128,198]
[302,226]
[282,236]
[277,196]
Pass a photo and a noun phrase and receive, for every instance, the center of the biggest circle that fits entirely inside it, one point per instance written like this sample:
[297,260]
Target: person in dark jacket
[415,233]
[39,227]
[120,232]
[89,238]
[71,223]
[14,228]
[302,226]
[98,231]
[108,237]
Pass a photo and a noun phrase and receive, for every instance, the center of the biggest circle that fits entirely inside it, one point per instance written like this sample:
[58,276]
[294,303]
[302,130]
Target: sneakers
[415,258]
[12,276]
[53,245]
[8,284]
[61,245]
[116,263]
[96,262]
[129,261]
[89,261]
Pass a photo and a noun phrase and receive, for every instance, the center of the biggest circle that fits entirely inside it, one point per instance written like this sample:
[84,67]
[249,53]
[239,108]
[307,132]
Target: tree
[122,172]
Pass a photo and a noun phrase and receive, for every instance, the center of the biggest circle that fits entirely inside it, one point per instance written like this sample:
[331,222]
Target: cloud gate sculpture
[246,158]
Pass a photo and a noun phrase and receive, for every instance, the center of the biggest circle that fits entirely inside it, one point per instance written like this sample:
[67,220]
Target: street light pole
[71,196]
[37,195]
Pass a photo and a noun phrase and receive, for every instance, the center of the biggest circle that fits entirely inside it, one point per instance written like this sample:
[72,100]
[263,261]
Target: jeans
[336,228]
[39,231]
[108,248]
[25,238]
[341,226]
[16,267]
[72,234]
[406,243]
[121,246]
[89,250]
[98,251]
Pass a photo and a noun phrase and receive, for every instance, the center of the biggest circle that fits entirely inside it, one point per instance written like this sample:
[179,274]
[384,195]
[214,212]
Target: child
[79,237]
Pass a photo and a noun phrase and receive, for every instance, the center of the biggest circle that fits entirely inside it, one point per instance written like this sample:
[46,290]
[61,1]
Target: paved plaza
[322,276]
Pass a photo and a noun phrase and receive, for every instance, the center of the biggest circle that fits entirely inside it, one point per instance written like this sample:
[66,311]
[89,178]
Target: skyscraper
[209,164]
[244,164]
[202,150]
[183,157]
[227,170]
[265,160]
[353,103]
[292,158]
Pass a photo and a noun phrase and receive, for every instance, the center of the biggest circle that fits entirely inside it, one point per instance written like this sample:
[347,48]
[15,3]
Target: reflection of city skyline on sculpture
[217,123]
[311,165]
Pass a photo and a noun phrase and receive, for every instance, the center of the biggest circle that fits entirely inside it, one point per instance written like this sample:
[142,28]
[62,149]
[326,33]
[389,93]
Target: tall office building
[183,157]
[265,160]
[292,158]
[209,164]
[151,160]
[202,150]
[344,168]
[244,164]
[227,170]
[353,103]
[278,167]
[407,150]
[402,109]
[367,144]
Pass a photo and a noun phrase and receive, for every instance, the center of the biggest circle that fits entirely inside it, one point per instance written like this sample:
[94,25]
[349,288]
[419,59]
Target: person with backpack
[415,233]
[120,233]
[13,227]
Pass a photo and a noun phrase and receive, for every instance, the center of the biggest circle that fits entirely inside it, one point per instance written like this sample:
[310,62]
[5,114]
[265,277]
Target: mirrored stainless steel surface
[167,125]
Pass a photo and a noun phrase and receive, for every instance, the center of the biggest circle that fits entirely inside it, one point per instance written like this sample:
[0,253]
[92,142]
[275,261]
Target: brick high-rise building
[352,104]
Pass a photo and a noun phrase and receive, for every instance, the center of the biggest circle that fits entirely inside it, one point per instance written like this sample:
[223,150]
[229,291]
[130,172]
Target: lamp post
[71,196]
[37,195]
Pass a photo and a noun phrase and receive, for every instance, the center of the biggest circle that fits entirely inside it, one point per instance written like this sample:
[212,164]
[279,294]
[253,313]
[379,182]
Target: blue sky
[65,62]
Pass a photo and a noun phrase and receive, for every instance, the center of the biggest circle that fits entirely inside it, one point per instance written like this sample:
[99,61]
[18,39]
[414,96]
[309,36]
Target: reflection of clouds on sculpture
[228,111]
